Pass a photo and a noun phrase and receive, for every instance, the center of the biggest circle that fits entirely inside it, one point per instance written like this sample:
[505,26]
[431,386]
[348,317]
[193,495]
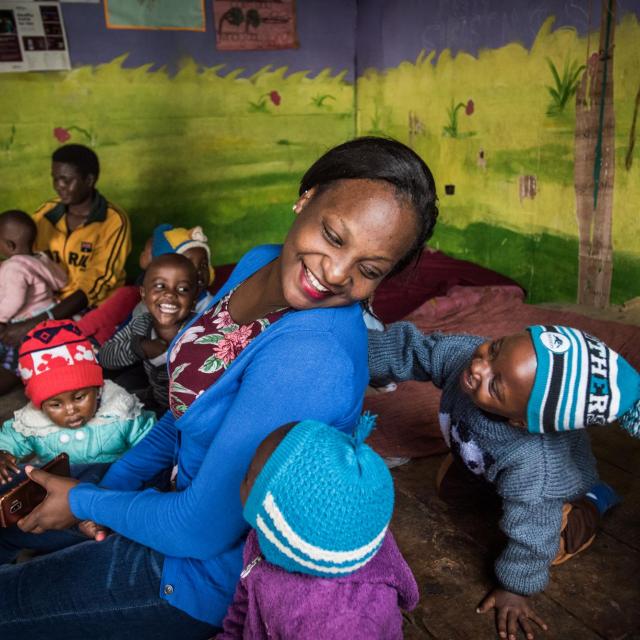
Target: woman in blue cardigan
[284,340]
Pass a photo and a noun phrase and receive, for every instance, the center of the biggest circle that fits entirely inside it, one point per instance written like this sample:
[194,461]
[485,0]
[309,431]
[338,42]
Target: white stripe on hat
[569,407]
[614,389]
[271,537]
[317,553]
[545,395]
[583,381]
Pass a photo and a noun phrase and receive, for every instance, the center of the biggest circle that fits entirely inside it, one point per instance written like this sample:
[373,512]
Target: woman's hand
[511,610]
[92,530]
[14,332]
[54,511]
[7,467]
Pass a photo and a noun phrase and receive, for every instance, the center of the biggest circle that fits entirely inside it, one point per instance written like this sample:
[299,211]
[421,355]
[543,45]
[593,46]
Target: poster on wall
[32,37]
[186,15]
[245,25]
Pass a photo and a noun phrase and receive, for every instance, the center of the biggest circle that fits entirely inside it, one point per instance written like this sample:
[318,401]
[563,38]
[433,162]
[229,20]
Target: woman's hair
[372,158]
[82,158]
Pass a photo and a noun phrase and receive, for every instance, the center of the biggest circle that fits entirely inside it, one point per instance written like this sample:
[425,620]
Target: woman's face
[346,238]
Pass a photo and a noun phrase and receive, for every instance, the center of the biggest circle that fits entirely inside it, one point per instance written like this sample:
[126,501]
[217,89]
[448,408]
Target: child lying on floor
[320,561]
[168,291]
[71,408]
[551,381]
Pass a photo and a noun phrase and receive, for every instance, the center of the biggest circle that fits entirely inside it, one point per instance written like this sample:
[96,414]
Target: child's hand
[511,610]
[92,530]
[7,467]
[153,348]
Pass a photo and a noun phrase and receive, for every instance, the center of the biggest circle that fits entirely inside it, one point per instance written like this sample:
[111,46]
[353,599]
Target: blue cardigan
[308,364]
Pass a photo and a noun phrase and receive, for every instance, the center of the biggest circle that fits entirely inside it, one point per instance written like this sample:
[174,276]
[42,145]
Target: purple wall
[326,31]
[385,32]
[390,31]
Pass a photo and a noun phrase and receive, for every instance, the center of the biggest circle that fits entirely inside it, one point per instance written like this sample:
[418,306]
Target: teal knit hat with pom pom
[322,503]
[580,382]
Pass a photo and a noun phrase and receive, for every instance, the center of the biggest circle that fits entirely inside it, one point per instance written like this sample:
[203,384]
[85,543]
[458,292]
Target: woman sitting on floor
[289,321]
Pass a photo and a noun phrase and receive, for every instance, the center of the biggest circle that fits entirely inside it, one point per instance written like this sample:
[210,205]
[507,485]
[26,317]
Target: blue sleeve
[154,453]
[297,375]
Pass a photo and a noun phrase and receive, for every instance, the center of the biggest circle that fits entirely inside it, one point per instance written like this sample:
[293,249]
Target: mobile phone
[26,496]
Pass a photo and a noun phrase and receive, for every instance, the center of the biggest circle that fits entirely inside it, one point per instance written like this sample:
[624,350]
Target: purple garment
[365,605]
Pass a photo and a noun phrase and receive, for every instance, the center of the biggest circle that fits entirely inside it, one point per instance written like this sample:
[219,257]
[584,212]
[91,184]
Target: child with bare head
[28,281]
[513,411]
[169,290]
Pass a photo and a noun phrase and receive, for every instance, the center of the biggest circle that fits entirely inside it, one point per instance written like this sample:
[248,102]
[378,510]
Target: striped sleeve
[120,350]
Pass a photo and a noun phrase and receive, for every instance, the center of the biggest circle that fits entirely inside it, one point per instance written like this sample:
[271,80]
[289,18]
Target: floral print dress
[207,349]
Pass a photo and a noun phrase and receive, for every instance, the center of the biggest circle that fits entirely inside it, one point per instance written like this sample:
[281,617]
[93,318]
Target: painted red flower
[275,98]
[470,108]
[61,134]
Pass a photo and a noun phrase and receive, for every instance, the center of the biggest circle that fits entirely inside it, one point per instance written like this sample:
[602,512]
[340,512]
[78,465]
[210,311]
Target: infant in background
[28,280]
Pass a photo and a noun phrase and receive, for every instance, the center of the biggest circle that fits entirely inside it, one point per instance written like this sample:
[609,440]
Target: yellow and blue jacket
[93,254]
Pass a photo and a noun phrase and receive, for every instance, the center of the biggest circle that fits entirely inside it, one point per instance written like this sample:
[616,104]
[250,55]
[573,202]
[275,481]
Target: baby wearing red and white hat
[72,408]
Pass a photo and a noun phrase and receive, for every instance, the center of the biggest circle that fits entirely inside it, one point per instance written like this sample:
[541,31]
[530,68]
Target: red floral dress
[206,350]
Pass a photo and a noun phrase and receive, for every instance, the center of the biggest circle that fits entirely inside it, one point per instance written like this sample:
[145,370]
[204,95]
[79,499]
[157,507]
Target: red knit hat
[56,357]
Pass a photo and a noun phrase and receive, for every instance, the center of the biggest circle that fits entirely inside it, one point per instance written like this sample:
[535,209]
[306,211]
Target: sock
[603,496]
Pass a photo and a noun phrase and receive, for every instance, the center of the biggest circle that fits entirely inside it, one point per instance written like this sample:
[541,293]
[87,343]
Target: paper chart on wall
[246,25]
[185,15]
[32,37]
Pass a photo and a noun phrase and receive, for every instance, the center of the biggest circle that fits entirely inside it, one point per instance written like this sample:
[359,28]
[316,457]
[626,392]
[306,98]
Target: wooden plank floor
[451,547]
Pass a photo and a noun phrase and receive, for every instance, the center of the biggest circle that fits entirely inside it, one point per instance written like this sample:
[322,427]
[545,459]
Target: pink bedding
[408,417]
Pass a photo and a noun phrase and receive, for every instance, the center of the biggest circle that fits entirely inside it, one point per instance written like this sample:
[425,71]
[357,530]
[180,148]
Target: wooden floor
[451,547]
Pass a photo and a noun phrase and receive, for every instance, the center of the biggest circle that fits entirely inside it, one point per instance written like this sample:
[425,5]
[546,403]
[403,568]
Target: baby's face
[169,292]
[262,454]
[72,409]
[500,376]
[200,260]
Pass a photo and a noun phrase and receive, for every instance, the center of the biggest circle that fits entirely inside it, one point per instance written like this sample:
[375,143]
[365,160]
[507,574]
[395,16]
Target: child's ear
[520,424]
[11,245]
[91,180]
[142,293]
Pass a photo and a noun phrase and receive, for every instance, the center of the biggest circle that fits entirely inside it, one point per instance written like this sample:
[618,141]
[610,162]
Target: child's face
[72,409]
[169,291]
[200,260]
[145,255]
[500,376]
[262,454]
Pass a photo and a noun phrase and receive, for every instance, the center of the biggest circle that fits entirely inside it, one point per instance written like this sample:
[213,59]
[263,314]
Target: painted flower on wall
[261,106]
[275,97]
[451,129]
[61,134]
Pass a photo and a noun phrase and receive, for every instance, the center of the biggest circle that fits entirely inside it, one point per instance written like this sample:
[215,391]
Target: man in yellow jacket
[83,232]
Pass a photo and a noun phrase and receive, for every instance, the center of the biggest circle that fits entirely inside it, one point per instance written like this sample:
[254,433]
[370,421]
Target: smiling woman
[284,340]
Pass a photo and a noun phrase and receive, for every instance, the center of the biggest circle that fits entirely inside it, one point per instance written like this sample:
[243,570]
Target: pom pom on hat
[56,357]
[580,382]
[322,503]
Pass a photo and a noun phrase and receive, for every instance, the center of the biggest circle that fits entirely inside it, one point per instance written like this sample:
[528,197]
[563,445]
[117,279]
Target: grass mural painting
[207,146]
[199,147]
[505,165]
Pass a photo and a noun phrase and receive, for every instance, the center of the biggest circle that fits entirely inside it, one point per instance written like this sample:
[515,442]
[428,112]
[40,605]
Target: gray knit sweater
[534,474]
